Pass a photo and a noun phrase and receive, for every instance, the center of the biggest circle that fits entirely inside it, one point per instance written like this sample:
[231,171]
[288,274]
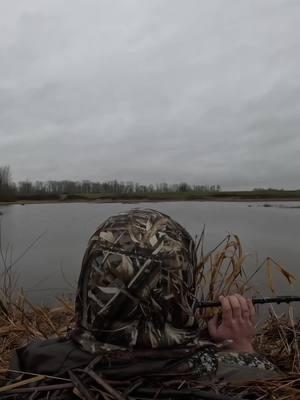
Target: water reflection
[52,237]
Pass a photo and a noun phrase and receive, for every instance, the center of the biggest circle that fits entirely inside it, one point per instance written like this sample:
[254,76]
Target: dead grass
[220,271]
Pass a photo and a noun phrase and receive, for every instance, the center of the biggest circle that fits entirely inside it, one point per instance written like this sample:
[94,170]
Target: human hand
[237,324]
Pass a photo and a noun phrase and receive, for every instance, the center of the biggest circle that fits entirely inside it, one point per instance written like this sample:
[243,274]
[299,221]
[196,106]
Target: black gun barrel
[255,300]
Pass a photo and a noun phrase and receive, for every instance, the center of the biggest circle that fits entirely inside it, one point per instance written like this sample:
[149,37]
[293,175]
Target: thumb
[212,326]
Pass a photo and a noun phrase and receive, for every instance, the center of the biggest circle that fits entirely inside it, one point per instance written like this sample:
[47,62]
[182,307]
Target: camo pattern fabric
[251,360]
[202,363]
[209,362]
[136,287]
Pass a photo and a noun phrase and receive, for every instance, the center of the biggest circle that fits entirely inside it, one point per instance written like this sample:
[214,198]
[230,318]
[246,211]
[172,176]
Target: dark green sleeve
[50,357]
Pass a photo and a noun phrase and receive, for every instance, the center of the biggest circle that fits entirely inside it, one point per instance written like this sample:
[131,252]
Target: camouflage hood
[136,287]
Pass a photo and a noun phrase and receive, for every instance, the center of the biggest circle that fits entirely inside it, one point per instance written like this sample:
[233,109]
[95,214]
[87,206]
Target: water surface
[51,266]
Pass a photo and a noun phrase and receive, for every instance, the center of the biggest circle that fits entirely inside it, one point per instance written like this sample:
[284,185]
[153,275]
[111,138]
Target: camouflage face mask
[136,287]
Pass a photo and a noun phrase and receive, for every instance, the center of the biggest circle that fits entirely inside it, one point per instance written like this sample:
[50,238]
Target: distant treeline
[66,190]
[7,186]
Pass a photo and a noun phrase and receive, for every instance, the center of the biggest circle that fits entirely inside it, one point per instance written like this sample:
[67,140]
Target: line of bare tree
[86,186]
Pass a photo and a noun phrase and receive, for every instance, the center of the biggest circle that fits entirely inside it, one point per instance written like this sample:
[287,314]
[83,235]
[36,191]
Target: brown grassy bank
[246,196]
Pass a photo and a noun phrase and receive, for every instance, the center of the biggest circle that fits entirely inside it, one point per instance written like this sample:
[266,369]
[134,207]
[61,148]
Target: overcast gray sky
[151,91]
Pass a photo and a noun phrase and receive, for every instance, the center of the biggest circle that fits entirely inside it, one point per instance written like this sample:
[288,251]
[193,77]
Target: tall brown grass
[222,270]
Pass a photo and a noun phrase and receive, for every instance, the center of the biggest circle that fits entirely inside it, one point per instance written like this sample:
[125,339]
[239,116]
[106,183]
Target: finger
[213,326]
[252,311]
[226,308]
[235,306]
[244,307]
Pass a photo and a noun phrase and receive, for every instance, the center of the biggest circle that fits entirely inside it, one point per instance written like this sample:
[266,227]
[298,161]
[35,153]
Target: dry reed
[222,270]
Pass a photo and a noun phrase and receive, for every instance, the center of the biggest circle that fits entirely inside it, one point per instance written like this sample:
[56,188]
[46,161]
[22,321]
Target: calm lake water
[52,264]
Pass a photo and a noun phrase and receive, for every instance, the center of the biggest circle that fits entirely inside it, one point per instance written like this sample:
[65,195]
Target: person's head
[137,282]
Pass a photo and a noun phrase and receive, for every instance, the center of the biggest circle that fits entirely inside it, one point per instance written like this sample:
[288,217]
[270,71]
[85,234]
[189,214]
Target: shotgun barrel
[255,300]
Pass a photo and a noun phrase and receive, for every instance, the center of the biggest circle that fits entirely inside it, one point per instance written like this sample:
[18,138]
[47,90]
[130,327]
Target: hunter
[136,295]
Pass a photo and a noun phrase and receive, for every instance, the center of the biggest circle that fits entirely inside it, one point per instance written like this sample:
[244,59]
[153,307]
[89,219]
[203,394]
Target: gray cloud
[206,92]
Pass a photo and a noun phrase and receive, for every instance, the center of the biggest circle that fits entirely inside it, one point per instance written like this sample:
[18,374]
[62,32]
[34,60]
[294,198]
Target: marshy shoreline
[278,337]
[150,197]
[152,200]
[278,340]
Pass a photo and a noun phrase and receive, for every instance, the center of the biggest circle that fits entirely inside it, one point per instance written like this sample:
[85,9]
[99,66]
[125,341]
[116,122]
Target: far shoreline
[151,200]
